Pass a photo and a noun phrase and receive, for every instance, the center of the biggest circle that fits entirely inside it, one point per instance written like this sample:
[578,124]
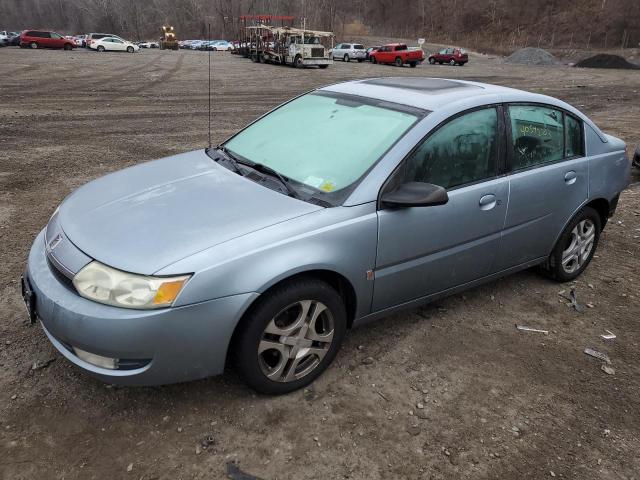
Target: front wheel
[576,246]
[130,49]
[298,62]
[398,62]
[290,336]
[100,48]
[67,46]
[432,61]
[373,60]
[452,62]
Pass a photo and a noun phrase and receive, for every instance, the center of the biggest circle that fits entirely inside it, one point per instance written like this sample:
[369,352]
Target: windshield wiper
[229,157]
[270,171]
[236,162]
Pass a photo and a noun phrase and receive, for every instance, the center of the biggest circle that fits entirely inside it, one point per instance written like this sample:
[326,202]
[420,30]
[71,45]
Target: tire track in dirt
[165,76]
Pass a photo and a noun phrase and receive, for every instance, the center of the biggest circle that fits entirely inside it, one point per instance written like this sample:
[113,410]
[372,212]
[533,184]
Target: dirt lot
[497,402]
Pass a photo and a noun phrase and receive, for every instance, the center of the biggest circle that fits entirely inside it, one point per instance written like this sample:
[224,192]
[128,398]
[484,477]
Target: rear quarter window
[359,47]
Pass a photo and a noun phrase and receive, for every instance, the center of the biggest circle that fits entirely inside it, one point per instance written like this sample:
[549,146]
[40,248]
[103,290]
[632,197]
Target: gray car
[349,51]
[265,250]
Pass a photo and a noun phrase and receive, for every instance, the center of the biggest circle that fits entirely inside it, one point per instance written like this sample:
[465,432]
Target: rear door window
[574,140]
[359,47]
[537,134]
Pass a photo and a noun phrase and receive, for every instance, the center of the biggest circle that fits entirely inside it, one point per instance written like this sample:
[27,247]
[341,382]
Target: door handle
[570,177]
[487,202]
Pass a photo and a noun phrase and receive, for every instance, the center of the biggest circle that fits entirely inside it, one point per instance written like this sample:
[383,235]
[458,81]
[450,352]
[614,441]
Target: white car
[114,44]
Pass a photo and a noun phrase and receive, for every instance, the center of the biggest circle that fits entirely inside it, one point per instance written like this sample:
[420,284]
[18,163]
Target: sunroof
[420,84]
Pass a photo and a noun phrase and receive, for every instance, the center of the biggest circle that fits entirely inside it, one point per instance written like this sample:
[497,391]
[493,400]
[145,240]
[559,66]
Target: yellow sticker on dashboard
[327,187]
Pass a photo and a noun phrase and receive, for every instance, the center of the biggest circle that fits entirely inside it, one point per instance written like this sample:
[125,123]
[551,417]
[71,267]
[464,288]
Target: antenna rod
[209,49]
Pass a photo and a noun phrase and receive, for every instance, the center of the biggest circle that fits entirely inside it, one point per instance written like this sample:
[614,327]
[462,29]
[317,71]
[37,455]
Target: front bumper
[156,346]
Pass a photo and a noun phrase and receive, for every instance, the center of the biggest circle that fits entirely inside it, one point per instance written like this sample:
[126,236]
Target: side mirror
[415,194]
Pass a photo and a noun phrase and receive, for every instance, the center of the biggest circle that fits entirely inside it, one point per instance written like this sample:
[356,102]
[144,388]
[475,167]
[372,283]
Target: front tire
[130,49]
[432,61]
[373,60]
[346,58]
[290,336]
[576,246]
[452,62]
[67,46]
[298,62]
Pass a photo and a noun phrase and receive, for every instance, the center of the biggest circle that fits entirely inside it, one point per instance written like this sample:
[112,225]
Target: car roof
[434,94]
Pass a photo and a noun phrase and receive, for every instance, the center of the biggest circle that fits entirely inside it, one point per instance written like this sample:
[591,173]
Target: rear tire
[413,64]
[346,58]
[398,62]
[452,62]
[576,246]
[33,45]
[275,334]
[100,48]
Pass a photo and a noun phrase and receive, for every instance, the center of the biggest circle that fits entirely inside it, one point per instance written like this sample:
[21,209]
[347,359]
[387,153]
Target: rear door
[548,183]
[425,250]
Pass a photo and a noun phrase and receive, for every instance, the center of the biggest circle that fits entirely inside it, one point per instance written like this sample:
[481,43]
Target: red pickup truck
[452,56]
[397,54]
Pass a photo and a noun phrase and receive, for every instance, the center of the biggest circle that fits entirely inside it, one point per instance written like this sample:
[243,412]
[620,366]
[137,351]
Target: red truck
[397,54]
[452,56]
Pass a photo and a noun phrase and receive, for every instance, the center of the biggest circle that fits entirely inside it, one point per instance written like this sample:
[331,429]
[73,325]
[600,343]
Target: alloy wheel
[580,245]
[296,340]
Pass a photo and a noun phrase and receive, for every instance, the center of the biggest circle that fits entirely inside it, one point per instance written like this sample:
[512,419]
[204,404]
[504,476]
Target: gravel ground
[451,390]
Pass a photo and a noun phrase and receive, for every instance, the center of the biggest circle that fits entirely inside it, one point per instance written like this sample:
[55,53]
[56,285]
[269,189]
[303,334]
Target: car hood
[145,217]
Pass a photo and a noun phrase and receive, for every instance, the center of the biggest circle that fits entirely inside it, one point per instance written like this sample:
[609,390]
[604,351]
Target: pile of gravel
[532,56]
[605,60]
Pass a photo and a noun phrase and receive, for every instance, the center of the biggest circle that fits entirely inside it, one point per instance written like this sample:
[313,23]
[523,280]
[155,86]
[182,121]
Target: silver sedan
[266,249]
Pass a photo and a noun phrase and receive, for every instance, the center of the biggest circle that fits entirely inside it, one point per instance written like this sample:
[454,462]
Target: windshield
[322,140]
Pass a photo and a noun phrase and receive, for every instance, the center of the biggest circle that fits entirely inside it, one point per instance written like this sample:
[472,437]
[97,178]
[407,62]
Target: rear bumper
[156,346]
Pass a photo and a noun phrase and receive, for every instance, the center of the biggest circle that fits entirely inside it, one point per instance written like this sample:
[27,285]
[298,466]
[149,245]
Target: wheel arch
[336,280]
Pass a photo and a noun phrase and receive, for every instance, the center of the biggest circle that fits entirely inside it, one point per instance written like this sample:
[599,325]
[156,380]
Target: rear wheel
[100,48]
[130,49]
[452,62]
[360,60]
[346,58]
[398,62]
[290,336]
[576,246]
[33,45]
[413,64]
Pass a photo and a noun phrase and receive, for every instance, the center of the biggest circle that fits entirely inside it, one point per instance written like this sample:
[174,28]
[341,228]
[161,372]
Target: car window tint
[462,151]
[574,143]
[537,134]
[359,47]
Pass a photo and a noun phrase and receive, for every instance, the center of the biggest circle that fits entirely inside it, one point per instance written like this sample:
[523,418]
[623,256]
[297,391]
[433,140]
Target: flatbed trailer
[290,46]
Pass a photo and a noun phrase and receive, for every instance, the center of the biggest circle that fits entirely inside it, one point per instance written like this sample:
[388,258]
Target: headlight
[113,287]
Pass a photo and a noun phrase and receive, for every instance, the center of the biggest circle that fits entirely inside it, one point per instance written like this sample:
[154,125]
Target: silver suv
[349,51]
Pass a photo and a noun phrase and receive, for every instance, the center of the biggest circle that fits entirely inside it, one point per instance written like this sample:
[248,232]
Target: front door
[425,250]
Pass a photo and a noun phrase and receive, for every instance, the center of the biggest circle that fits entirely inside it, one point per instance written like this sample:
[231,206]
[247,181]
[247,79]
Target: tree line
[499,23]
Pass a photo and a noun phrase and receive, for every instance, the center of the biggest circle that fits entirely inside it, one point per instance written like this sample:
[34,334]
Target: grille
[60,276]
[317,52]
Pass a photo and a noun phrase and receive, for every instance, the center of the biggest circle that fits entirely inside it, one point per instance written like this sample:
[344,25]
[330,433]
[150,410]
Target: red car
[45,39]
[397,54]
[452,56]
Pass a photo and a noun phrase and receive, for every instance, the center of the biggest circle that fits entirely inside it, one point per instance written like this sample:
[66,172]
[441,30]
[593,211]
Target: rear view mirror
[415,194]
